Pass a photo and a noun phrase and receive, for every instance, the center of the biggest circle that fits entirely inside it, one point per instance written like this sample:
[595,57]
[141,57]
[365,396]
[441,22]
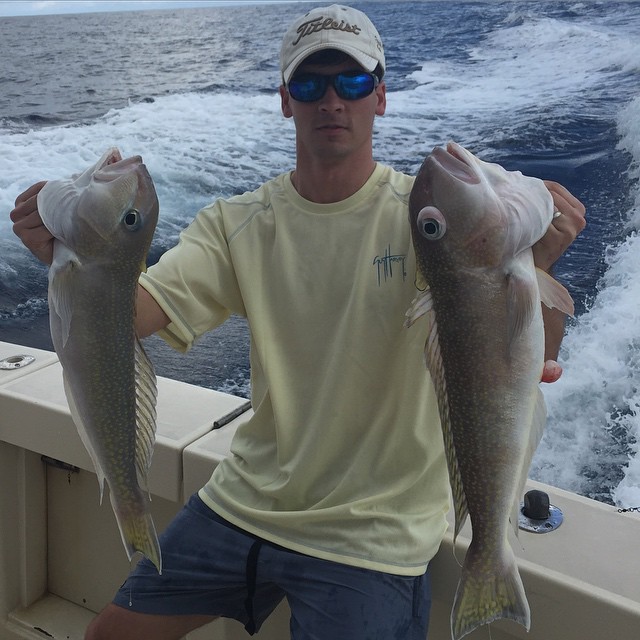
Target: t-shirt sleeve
[195,282]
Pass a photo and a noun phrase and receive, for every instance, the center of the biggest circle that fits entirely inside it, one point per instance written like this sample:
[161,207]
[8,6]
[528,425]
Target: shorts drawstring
[252,570]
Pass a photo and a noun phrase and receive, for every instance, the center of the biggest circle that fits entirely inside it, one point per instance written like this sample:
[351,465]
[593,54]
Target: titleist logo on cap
[324,24]
[336,27]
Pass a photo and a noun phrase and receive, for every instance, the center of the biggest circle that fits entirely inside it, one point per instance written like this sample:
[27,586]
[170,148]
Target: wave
[29,310]
[549,88]
[594,409]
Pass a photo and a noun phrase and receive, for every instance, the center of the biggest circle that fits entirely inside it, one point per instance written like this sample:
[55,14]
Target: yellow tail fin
[484,596]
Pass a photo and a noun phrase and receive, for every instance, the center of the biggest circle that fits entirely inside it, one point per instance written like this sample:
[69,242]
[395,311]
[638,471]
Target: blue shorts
[210,567]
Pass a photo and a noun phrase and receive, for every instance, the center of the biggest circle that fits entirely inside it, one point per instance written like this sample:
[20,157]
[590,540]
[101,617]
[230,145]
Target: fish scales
[473,225]
[103,221]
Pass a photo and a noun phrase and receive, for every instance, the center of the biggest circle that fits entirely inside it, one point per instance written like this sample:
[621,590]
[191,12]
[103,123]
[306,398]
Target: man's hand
[563,229]
[27,224]
[567,223]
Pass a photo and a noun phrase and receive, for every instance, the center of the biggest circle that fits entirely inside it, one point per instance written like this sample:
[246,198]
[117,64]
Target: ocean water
[550,88]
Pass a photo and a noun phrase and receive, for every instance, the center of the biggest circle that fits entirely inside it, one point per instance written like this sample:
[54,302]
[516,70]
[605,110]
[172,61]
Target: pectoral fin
[521,303]
[61,275]
[553,294]
[421,305]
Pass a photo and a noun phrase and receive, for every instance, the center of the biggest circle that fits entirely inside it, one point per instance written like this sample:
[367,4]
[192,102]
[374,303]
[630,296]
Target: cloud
[44,7]
[47,5]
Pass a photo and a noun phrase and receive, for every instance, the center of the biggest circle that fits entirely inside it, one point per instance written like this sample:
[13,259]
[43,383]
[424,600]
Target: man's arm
[149,315]
[561,233]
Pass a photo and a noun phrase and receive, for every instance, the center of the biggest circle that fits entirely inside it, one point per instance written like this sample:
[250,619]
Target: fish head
[109,210]
[474,213]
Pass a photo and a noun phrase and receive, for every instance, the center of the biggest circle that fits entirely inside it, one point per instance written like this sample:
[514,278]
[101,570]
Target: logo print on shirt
[385,263]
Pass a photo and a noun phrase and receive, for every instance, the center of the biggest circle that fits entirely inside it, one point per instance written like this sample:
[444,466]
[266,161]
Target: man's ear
[284,102]
[381,92]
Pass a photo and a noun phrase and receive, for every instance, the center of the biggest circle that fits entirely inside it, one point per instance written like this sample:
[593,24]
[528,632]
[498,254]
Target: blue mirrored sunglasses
[349,85]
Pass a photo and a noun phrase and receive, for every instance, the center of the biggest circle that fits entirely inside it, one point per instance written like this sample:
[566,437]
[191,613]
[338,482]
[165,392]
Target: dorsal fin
[423,305]
[146,396]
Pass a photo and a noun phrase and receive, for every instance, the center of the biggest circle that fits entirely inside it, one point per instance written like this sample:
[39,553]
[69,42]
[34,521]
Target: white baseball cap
[334,27]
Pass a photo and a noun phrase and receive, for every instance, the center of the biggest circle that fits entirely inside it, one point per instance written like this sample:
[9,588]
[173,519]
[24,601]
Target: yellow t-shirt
[343,458]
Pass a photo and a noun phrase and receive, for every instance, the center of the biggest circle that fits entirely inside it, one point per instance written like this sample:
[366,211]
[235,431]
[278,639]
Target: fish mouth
[112,166]
[457,162]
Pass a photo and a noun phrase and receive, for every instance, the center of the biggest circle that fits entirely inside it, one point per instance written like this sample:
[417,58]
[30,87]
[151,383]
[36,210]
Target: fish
[103,221]
[473,224]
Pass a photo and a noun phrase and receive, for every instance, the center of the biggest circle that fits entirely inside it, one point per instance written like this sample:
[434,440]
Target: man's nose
[331,101]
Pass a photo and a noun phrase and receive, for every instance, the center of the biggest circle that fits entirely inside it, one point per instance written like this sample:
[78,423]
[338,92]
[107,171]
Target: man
[336,493]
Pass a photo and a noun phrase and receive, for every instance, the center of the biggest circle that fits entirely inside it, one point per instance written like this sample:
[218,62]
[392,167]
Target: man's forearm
[149,315]
[553,331]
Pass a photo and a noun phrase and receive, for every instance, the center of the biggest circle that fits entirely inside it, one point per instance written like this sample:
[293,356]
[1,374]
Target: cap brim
[366,62]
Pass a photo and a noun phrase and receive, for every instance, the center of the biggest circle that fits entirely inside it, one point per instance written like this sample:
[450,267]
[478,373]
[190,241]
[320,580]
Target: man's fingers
[33,190]
[551,372]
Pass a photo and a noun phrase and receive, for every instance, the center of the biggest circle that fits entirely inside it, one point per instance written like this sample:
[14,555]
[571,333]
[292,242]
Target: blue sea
[550,88]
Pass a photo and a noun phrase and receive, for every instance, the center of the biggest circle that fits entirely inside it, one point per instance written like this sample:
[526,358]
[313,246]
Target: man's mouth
[331,127]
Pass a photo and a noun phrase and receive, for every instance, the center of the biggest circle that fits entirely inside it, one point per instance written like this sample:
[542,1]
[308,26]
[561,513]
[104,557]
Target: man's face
[333,127]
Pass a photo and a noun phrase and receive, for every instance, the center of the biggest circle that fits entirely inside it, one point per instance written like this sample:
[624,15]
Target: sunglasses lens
[354,86]
[308,87]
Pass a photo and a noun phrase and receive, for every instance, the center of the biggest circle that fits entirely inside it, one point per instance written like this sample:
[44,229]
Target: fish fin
[61,274]
[538,423]
[553,294]
[136,525]
[146,396]
[481,599]
[433,360]
[521,303]
[82,432]
[421,305]
[137,529]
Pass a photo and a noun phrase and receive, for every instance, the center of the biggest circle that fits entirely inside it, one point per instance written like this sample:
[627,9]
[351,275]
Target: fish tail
[482,598]
[138,530]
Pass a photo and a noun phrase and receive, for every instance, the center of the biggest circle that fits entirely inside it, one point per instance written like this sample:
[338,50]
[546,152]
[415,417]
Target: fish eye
[132,219]
[431,229]
[431,223]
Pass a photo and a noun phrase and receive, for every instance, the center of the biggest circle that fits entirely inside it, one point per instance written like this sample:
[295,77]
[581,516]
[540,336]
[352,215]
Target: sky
[32,8]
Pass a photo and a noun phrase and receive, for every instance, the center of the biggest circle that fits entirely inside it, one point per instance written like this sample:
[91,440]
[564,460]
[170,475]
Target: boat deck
[62,557]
